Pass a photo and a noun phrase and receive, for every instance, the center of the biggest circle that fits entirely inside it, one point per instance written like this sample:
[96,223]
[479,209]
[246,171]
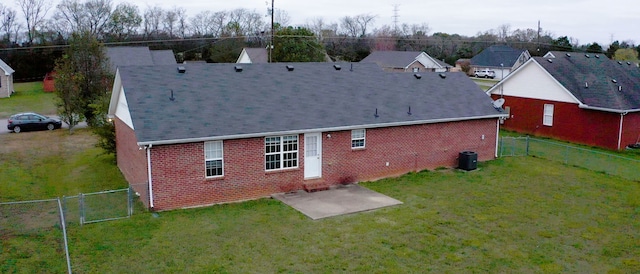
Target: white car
[484,73]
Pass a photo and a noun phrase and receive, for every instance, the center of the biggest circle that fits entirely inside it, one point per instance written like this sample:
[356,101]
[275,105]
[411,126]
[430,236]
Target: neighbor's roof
[495,55]
[6,68]
[609,84]
[213,100]
[397,59]
[257,55]
[138,56]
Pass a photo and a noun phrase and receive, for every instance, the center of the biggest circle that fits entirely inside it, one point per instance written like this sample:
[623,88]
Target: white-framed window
[547,118]
[281,152]
[213,159]
[416,69]
[358,138]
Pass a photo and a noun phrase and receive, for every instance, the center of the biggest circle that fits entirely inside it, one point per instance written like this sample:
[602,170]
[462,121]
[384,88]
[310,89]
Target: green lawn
[28,97]
[515,214]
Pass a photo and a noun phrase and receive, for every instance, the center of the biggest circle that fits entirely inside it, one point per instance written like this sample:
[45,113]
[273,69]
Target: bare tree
[357,26]
[34,12]
[317,25]
[169,21]
[282,17]
[503,31]
[152,20]
[8,23]
[182,23]
[98,15]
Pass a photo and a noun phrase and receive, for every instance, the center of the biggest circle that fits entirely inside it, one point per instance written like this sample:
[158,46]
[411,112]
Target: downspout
[148,148]
[620,129]
[497,136]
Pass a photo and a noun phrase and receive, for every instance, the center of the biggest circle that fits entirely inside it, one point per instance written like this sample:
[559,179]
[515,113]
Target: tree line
[36,33]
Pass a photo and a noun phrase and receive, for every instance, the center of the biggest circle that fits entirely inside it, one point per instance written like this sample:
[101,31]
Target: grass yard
[28,97]
[518,214]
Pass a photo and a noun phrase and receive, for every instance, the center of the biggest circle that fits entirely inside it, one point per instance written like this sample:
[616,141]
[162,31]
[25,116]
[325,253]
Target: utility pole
[272,34]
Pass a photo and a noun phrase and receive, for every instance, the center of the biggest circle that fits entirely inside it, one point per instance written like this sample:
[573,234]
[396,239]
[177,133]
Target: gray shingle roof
[138,56]
[392,59]
[163,57]
[495,55]
[214,100]
[257,55]
[6,68]
[577,69]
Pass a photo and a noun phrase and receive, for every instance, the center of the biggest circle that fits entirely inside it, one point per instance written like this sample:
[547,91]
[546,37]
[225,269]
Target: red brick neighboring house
[203,134]
[577,97]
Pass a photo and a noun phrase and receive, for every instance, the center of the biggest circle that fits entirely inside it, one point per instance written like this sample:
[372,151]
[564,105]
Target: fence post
[81,205]
[526,146]
[64,235]
[129,201]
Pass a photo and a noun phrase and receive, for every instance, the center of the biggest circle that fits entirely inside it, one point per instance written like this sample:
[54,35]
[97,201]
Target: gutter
[620,111]
[290,132]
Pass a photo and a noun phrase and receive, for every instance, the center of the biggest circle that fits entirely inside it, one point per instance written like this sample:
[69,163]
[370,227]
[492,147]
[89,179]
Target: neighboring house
[253,56]
[6,80]
[202,134]
[577,97]
[406,61]
[501,59]
[138,56]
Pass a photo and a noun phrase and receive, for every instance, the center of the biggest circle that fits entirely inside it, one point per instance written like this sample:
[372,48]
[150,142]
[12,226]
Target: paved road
[4,130]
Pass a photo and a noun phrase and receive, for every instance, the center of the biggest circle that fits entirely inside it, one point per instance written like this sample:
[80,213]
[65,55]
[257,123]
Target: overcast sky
[585,20]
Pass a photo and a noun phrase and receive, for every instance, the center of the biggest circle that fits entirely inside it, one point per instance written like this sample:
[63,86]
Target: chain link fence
[33,234]
[625,167]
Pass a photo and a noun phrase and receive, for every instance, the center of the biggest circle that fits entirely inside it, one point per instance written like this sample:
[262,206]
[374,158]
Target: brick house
[577,97]
[203,134]
[406,61]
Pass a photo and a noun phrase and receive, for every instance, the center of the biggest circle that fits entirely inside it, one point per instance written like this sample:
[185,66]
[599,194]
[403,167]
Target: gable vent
[289,68]
[417,75]
[337,67]
[442,75]
[237,68]
[182,69]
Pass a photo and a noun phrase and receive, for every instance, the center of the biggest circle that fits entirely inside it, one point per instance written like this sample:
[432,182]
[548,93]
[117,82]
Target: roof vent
[629,63]
[620,88]
[337,67]
[586,84]
[237,68]
[182,69]
[619,63]
[587,55]
[549,60]
[172,98]
[598,56]
[442,75]
[409,112]
[417,75]
[376,114]
[568,54]
[614,81]
[289,68]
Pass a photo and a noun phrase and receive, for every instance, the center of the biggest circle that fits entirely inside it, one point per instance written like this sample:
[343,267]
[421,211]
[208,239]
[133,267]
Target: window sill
[358,148]
[217,178]
[275,171]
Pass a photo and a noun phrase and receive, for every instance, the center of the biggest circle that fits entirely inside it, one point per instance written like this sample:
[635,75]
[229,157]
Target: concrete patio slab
[344,199]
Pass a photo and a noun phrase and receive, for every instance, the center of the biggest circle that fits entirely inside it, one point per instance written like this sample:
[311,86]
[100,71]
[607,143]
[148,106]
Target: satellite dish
[498,103]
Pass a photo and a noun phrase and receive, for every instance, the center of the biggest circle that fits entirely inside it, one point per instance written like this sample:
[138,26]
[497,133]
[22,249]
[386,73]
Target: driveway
[4,130]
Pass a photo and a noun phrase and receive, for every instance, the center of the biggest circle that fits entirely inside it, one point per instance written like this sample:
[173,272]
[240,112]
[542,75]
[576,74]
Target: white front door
[312,155]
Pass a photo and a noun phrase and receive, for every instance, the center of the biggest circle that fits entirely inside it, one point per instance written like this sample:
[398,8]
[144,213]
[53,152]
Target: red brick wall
[631,129]
[570,123]
[178,171]
[131,160]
